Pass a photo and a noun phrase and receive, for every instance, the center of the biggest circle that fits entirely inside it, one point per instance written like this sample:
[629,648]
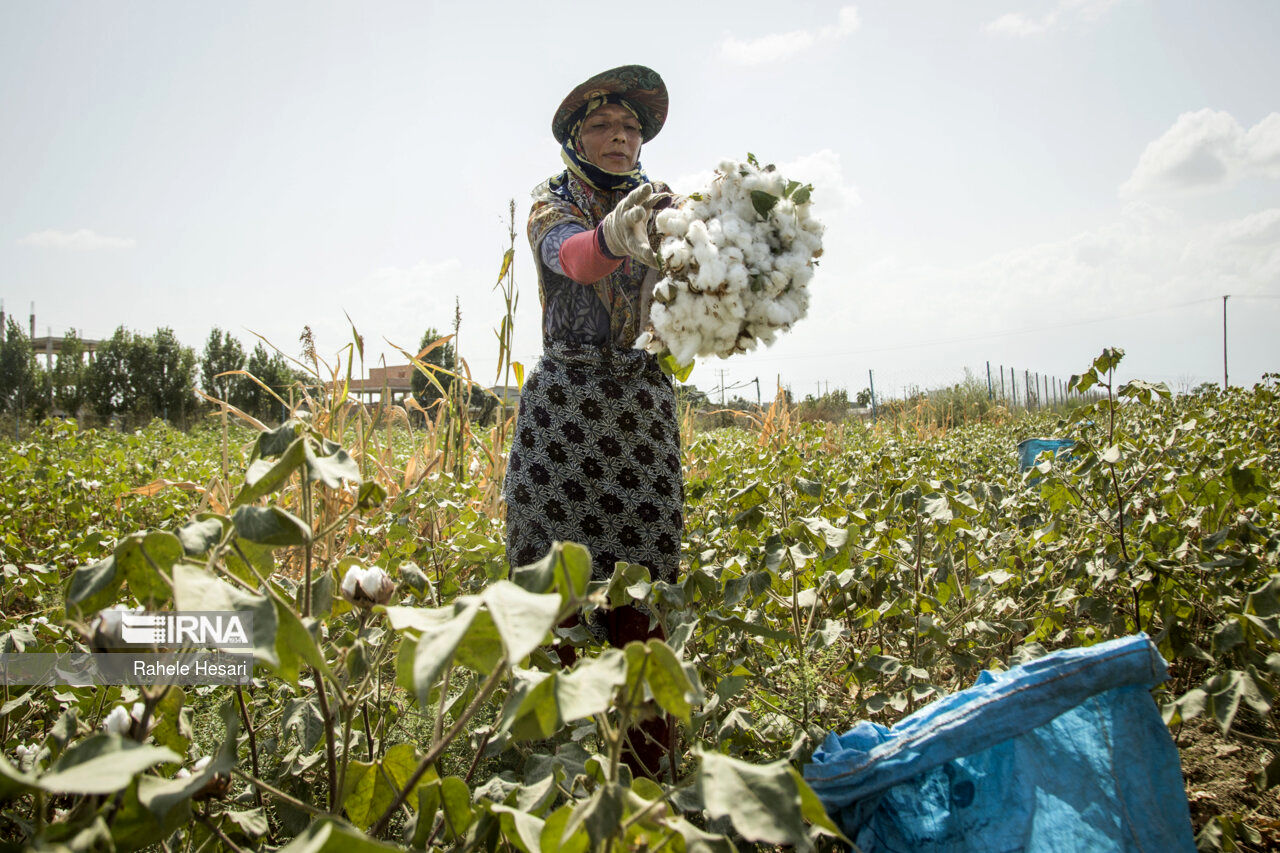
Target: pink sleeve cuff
[584,258]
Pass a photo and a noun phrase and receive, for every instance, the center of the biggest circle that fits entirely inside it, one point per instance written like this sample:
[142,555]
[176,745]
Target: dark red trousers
[651,740]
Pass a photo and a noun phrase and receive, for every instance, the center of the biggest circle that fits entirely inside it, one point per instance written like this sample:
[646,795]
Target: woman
[596,454]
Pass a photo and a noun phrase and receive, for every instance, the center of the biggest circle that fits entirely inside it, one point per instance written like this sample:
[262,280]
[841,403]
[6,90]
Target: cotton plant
[736,261]
[367,587]
[122,722]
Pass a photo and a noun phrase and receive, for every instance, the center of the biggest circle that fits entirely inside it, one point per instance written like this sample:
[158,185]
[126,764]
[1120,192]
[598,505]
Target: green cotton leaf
[762,801]
[698,841]
[276,441]
[134,826]
[801,196]
[481,648]
[600,814]
[1227,636]
[321,594]
[739,624]
[1186,707]
[523,618]
[294,644]
[196,589]
[1265,600]
[1249,485]
[530,712]
[270,526]
[371,495]
[198,537]
[94,587]
[749,496]
[1143,392]
[371,787]
[554,836]
[812,810]
[625,577]
[252,823]
[937,508]
[667,362]
[330,471]
[1082,382]
[520,828]
[1257,692]
[302,718]
[428,805]
[1225,691]
[102,764]
[809,488]
[455,796]
[1108,361]
[588,688]
[263,477]
[566,568]
[668,680]
[142,558]
[160,796]
[835,537]
[173,721]
[435,648]
[244,557]
[327,835]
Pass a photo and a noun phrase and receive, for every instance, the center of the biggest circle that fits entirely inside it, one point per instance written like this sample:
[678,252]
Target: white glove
[626,228]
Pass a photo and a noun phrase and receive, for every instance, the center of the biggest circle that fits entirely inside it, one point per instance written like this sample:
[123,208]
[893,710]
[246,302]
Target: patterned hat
[642,88]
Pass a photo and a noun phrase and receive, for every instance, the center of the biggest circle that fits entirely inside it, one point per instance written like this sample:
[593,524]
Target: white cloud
[776,47]
[1019,25]
[82,240]
[1146,259]
[1206,150]
[823,169]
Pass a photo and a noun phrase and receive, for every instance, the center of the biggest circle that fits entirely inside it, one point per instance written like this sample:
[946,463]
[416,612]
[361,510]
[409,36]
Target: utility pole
[1224,343]
[722,387]
[758,403]
[990,393]
[872,379]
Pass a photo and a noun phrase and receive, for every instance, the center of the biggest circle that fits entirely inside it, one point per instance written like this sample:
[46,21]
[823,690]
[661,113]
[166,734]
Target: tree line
[133,378]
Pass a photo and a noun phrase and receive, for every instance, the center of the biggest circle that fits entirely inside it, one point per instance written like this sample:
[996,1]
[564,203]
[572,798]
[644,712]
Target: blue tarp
[1063,753]
[1030,448]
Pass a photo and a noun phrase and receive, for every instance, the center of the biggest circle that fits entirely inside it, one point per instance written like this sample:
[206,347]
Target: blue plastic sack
[1030,448]
[1067,752]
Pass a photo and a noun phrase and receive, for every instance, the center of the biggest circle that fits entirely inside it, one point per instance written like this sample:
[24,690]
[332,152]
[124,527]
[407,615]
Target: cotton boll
[676,253]
[674,221]
[736,278]
[715,232]
[697,235]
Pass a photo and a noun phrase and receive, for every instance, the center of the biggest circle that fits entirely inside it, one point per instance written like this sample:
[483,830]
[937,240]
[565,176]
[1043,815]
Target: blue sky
[1020,183]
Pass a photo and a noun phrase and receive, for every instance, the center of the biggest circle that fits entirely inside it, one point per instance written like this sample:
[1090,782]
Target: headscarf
[575,157]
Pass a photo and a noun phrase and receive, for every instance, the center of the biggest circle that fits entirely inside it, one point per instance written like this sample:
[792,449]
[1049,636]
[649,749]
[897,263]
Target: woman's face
[611,138]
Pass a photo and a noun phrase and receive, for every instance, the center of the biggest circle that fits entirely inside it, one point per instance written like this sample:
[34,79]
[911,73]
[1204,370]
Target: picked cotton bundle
[736,260]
